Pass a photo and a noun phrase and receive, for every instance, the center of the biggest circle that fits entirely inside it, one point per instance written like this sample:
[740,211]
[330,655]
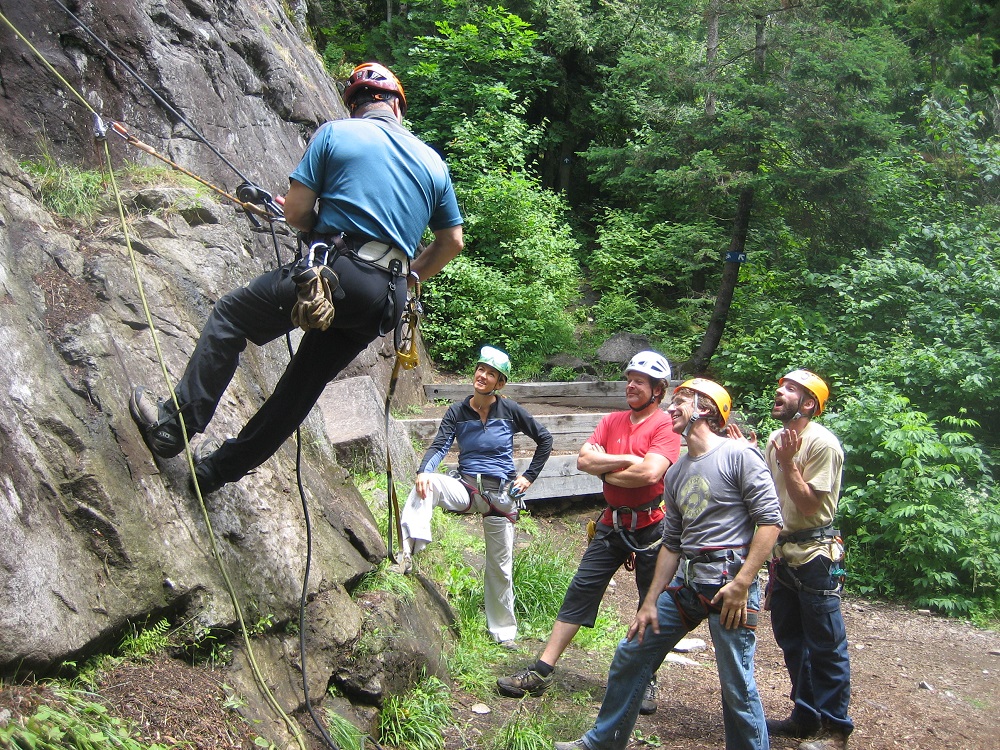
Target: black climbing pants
[261,312]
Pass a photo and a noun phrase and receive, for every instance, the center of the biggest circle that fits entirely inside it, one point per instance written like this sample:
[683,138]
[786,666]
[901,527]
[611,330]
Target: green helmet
[496,359]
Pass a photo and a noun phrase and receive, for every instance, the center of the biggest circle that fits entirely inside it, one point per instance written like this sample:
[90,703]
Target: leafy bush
[415,721]
[141,643]
[915,526]
[78,723]
[511,286]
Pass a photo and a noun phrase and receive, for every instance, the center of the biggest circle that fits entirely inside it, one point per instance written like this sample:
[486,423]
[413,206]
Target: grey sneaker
[574,745]
[160,428]
[648,705]
[527,681]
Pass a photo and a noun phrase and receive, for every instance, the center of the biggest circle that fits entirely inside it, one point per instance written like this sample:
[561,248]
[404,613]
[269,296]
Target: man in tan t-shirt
[806,461]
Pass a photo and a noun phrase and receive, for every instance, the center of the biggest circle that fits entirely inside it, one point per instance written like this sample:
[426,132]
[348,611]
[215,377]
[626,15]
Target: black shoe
[648,705]
[791,728]
[527,681]
[208,479]
[159,426]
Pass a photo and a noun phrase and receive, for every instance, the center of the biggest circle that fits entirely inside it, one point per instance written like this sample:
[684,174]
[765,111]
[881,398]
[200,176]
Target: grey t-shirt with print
[715,502]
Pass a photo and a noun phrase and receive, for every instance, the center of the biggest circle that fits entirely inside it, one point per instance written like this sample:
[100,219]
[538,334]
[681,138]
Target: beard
[785,412]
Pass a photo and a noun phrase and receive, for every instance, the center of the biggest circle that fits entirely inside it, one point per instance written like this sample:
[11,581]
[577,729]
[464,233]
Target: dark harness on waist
[780,570]
[694,600]
[625,534]
[316,252]
[499,494]
[808,535]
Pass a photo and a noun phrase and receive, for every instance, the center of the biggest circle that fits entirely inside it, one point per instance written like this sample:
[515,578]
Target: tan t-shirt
[820,460]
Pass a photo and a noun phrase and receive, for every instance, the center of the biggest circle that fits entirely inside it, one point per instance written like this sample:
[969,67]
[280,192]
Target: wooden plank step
[560,479]
[569,431]
[600,395]
[604,395]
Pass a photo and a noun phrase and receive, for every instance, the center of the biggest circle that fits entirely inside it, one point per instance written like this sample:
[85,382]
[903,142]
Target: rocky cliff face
[238,72]
[94,535]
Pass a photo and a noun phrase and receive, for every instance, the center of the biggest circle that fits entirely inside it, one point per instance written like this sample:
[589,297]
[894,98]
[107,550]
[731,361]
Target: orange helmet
[812,383]
[719,395]
[373,77]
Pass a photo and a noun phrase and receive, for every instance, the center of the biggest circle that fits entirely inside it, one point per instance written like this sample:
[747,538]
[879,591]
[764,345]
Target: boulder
[621,347]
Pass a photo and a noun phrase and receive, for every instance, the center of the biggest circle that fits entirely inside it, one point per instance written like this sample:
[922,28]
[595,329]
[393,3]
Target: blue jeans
[635,663]
[809,628]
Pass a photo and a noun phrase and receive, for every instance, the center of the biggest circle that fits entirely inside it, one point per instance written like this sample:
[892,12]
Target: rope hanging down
[405,340]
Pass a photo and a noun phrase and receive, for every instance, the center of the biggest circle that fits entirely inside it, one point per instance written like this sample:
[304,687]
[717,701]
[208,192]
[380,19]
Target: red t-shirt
[617,435]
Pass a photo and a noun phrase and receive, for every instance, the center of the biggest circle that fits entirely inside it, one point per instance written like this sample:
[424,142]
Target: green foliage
[415,721]
[929,307]
[511,286]
[651,259]
[77,723]
[480,60]
[383,578]
[915,526]
[68,191]
[344,733]
[140,644]
[533,724]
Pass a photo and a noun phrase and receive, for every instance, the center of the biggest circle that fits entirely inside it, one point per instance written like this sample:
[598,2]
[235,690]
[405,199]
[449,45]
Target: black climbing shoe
[160,427]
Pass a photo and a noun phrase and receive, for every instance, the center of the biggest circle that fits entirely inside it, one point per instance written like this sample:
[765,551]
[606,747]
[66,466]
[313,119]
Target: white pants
[498,577]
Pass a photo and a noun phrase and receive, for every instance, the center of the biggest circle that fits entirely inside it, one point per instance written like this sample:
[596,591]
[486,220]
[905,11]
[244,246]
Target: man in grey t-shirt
[722,519]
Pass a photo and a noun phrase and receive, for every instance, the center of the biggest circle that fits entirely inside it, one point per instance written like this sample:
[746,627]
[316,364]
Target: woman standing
[484,425]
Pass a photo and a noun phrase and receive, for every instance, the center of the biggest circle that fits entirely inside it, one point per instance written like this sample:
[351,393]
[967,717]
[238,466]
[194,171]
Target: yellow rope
[292,725]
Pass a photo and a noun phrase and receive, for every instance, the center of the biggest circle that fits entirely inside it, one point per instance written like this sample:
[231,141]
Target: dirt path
[919,681]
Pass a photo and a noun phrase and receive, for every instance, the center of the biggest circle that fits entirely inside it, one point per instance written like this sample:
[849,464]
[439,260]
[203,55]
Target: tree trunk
[727,287]
[698,363]
[711,51]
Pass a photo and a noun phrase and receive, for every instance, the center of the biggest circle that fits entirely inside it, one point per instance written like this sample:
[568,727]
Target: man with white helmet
[722,520]
[630,451]
[806,461]
[486,482]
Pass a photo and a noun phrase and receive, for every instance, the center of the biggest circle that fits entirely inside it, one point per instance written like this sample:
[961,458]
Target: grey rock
[94,534]
[621,347]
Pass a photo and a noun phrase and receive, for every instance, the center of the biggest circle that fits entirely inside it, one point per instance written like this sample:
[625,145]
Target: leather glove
[314,307]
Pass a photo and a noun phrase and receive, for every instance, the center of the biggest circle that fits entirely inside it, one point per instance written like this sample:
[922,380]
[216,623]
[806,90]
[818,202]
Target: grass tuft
[77,723]
[416,720]
[344,733]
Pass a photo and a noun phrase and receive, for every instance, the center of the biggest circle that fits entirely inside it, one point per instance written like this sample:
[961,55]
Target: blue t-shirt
[377,180]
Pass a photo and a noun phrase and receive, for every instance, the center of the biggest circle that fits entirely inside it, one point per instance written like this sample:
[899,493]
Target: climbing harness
[626,534]
[694,599]
[256,202]
[501,495]
[779,570]
[827,532]
[318,286]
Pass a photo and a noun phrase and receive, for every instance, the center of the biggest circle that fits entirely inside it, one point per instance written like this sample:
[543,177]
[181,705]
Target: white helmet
[650,363]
